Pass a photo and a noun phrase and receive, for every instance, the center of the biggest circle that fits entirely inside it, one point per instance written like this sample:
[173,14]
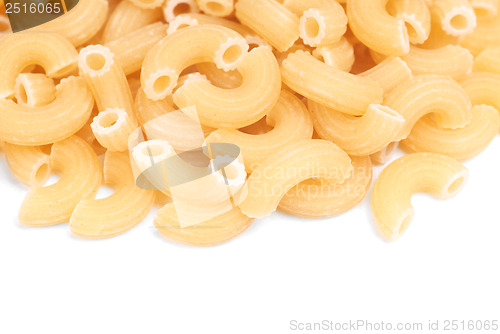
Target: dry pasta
[174,8]
[324,25]
[107,217]
[457,17]
[29,164]
[112,128]
[277,174]
[488,60]
[316,198]
[147,4]
[389,74]
[485,35]
[459,144]
[437,174]
[484,9]
[416,16]
[384,155]
[216,7]
[339,55]
[80,179]
[34,90]
[483,88]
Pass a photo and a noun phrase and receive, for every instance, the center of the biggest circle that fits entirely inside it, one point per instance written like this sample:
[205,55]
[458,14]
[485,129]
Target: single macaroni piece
[80,24]
[416,16]
[127,18]
[29,164]
[81,178]
[389,73]
[271,20]
[108,217]
[220,78]
[216,7]
[131,49]
[106,79]
[371,24]
[211,232]
[112,128]
[20,50]
[483,88]
[34,90]
[326,85]
[459,144]
[176,52]
[148,110]
[291,122]
[174,8]
[147,4]
[316,198]
[384,155]
[237,107]
[439,38]
[436,94]
[87,134]
[56,121]
[324,25]
[457,17]
[437,174]
[485,35]
[278,173]
[484,9]
[357,136]
[339,55]
[488,60]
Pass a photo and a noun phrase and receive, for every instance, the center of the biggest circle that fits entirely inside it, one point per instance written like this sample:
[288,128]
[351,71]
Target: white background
[446,266]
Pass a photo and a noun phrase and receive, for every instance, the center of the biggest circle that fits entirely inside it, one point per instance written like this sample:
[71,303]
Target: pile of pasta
[313,92]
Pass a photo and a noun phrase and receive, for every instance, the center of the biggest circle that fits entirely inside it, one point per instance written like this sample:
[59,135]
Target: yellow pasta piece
[86,134]
[241,106]
[29,164]
[127,18]
[457,17]
[339,55]
[384,155]
[271,20]
[298,7]
[220,78]
[484,9]
[81,178]
[389,74]
[211,232]
[316,198]
[357,136]
[416,16]
[483,88]
[108,217]
[20,50]
[291,121]
[106,79]
[326,85]
[323,25]
[488,60]
[174,8]
[131,49]
[437,174]
[459,144]
[34,90]
[485,35]
[216,7]
[176,52]
[56,121]
[112,128]
[436,94]
[371,24]
[278,173]
[148,4]
[147,110]
[80,24]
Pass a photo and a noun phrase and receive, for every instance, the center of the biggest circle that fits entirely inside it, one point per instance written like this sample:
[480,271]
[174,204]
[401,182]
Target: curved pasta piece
[212,232]
[292,123]
[459,144]
[54,122]
[389,74]
[483,88]
[174,8]
[357,136]
[416,16]
[456,16]
[192,19]
[80,24]
[241,106]
[316,198]
[426,94]
[339,55]
[216,7]
[437,174]
[147,110]
[326,85]
[34,90]
[484,9]
[108,217]
[205,43]
[29,164]
[485,35]
[112,128]
[220,78]
[324,25]
[385,34]
[51,51]
[384,155]
[81,178]
[488,60]
[278,173]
